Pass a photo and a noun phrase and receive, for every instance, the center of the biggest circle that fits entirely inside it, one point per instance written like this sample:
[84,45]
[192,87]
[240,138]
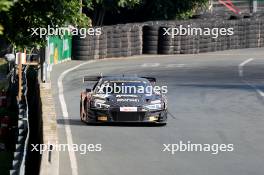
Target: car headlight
[98,103]
[154,105]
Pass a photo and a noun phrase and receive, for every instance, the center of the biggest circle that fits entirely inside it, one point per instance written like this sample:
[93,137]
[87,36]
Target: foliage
[4,6]
[172,9]
[116,11]
[100,7]
[111,4]
[20,16]
[27,14]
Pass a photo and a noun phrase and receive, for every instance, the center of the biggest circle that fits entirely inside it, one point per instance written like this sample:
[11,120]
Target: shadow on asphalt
[118,124]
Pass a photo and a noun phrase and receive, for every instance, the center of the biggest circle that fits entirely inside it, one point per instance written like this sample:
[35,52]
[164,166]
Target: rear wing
[150,79]
[97,78]
[91,78]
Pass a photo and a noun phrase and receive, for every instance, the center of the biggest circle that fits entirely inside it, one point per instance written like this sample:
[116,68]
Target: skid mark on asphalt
[175,65]
[150,65]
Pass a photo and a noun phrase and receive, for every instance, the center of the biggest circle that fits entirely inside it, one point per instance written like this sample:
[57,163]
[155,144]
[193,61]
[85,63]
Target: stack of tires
[185,40]
[234,39]
[116,42]
[262,32]
[136,39]
[177,42]
[228,23]
[81,48]
[253,33]
[103,44]
[109,36]
[194,40]
[205,40]
[95,46]
[214,41]
[224,39]
[247,31]
[125,41]
[165,41]
[259,31]
[150,39]
[185,43]
[242,34]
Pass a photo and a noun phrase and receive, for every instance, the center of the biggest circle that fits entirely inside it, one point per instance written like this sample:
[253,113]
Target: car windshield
[124,87]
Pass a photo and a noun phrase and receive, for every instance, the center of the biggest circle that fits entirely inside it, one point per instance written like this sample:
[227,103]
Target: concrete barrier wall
[146,38]
[49,159]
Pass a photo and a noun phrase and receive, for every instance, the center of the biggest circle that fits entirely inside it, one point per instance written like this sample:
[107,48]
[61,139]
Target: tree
[24,15]
[116,11]
[100,7]
[172,9]
[4,6]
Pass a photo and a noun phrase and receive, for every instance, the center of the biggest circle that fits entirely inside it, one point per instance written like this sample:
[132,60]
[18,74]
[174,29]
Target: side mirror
[10,57]
[88,90]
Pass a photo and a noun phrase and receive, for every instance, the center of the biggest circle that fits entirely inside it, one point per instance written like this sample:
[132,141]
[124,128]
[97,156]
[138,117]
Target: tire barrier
[116,42]
[136,40]
[165,42]
[126,41]
[82,48]
[102,50]
[148,38]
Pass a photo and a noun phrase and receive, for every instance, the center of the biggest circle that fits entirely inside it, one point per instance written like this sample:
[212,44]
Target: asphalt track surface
[209,102]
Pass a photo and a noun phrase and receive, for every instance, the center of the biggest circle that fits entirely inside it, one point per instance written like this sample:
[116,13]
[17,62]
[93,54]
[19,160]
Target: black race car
[123,99]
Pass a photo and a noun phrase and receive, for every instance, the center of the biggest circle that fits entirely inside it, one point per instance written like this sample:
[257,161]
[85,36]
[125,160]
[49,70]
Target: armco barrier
[147,38]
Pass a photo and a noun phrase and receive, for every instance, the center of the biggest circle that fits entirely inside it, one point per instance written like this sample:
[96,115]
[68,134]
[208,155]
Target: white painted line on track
[150,65]
[241,74]
[241,66]
[73,161]
[260,92]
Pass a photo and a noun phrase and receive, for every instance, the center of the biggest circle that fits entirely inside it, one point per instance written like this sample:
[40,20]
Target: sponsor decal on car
[127,100]
[128,109]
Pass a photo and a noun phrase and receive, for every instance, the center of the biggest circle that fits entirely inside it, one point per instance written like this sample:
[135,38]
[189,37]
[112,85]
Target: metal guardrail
[18,79]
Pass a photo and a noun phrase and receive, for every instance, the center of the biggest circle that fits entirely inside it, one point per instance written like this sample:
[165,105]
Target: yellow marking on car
[102,118]
[153,118]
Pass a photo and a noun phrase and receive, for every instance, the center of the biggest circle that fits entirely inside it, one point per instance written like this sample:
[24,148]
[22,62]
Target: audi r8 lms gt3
[123,99]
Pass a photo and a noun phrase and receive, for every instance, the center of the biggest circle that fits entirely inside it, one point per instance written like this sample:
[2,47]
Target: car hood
[131,100]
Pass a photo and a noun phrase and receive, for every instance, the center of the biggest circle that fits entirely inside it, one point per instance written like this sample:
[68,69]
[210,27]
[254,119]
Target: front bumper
[115,115]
